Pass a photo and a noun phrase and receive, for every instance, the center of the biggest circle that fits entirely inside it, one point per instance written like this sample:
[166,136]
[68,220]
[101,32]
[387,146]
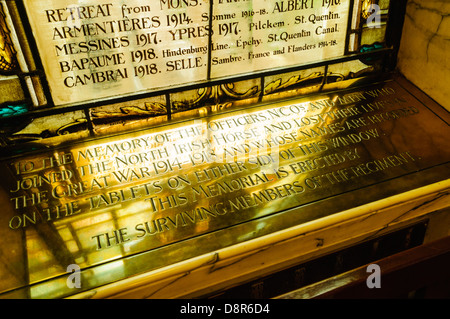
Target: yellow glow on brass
[92,220]
[150,198]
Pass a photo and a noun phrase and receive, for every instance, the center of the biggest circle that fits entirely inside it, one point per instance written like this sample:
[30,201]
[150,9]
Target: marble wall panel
[424,53]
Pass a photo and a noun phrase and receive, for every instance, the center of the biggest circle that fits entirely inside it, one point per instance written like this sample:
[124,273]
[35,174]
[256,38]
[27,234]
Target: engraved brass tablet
[126,204]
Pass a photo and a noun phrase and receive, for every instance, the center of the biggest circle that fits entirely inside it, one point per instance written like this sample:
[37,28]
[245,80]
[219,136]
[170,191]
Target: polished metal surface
[131,203]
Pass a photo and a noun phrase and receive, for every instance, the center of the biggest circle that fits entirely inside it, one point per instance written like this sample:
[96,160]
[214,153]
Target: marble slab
[423,56]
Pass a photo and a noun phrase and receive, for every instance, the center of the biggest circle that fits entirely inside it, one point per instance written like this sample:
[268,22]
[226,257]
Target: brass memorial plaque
[127,204]
[104,49]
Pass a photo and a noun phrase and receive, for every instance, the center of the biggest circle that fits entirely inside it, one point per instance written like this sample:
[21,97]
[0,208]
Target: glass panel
[343,75]
[128,115]
[8,58]
[10,90]
[373,35]
[293,83]
[50,130]
[218,97]
[244,37]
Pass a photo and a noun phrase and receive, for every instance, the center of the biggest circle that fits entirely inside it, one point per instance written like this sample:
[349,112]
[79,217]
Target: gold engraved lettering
[78,13]
[209,174]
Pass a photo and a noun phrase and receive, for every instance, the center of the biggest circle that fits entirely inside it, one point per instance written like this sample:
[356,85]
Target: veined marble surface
[424,53]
